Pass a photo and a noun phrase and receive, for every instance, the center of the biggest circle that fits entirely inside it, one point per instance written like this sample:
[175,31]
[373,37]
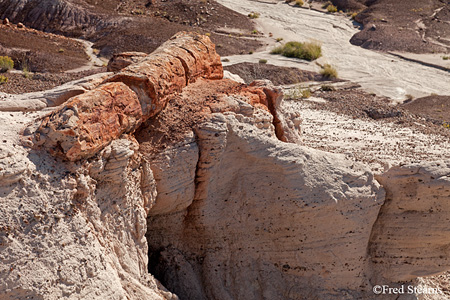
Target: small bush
[299,3]
[225,60]
[3,79]
[306,93]
[309,51]
[255,31]
[297,93]
[279,40]
[331,8]
[353,15]
[61,50]
[446,57]
[329,71]
[26,72]
[6,63]
[253,15]
[263,61]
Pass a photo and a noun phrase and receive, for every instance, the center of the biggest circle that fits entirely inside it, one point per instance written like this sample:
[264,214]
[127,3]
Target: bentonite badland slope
[166,169]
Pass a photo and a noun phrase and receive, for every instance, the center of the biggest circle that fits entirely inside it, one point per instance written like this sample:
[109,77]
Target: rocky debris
[377,114]
[123,60]
[89,122]
[179,61]
[390,25]
[250,72]
[410,237]
[37,51]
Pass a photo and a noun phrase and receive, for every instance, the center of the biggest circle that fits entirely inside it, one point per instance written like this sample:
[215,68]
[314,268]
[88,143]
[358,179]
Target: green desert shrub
[331,8]
[27,74]
[309,50]
[263,61]
[298,93]
[306,93]
[3,79]
[329,71]
[253,15]
[299,2]
[6,63]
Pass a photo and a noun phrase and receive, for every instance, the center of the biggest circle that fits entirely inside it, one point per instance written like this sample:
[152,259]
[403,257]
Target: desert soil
[278,75]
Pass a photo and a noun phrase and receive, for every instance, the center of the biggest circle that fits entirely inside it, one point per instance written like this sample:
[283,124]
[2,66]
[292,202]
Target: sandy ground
[94,60]
[434,60]
[380,73]
[380,144]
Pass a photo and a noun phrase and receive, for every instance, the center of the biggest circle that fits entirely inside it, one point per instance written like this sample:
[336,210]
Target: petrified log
[89,122]
[176,63]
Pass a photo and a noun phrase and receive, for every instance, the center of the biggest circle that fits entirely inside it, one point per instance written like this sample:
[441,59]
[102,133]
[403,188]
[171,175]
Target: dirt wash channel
[377,72]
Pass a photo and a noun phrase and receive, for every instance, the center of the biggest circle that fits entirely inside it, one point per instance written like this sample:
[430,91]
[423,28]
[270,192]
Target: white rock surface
[71,231]
[410,237]
[259,227]
[235,77]
[50,98]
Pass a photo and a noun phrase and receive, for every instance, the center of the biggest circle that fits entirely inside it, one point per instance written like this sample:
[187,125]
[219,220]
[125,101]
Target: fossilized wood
[176,63]
[89,122]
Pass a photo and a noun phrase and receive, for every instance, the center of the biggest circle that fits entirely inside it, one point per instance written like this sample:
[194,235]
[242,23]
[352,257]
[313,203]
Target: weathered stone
[282,220]
[410,237]
[49,98]
[77,234]
[123,60]
[89,122]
